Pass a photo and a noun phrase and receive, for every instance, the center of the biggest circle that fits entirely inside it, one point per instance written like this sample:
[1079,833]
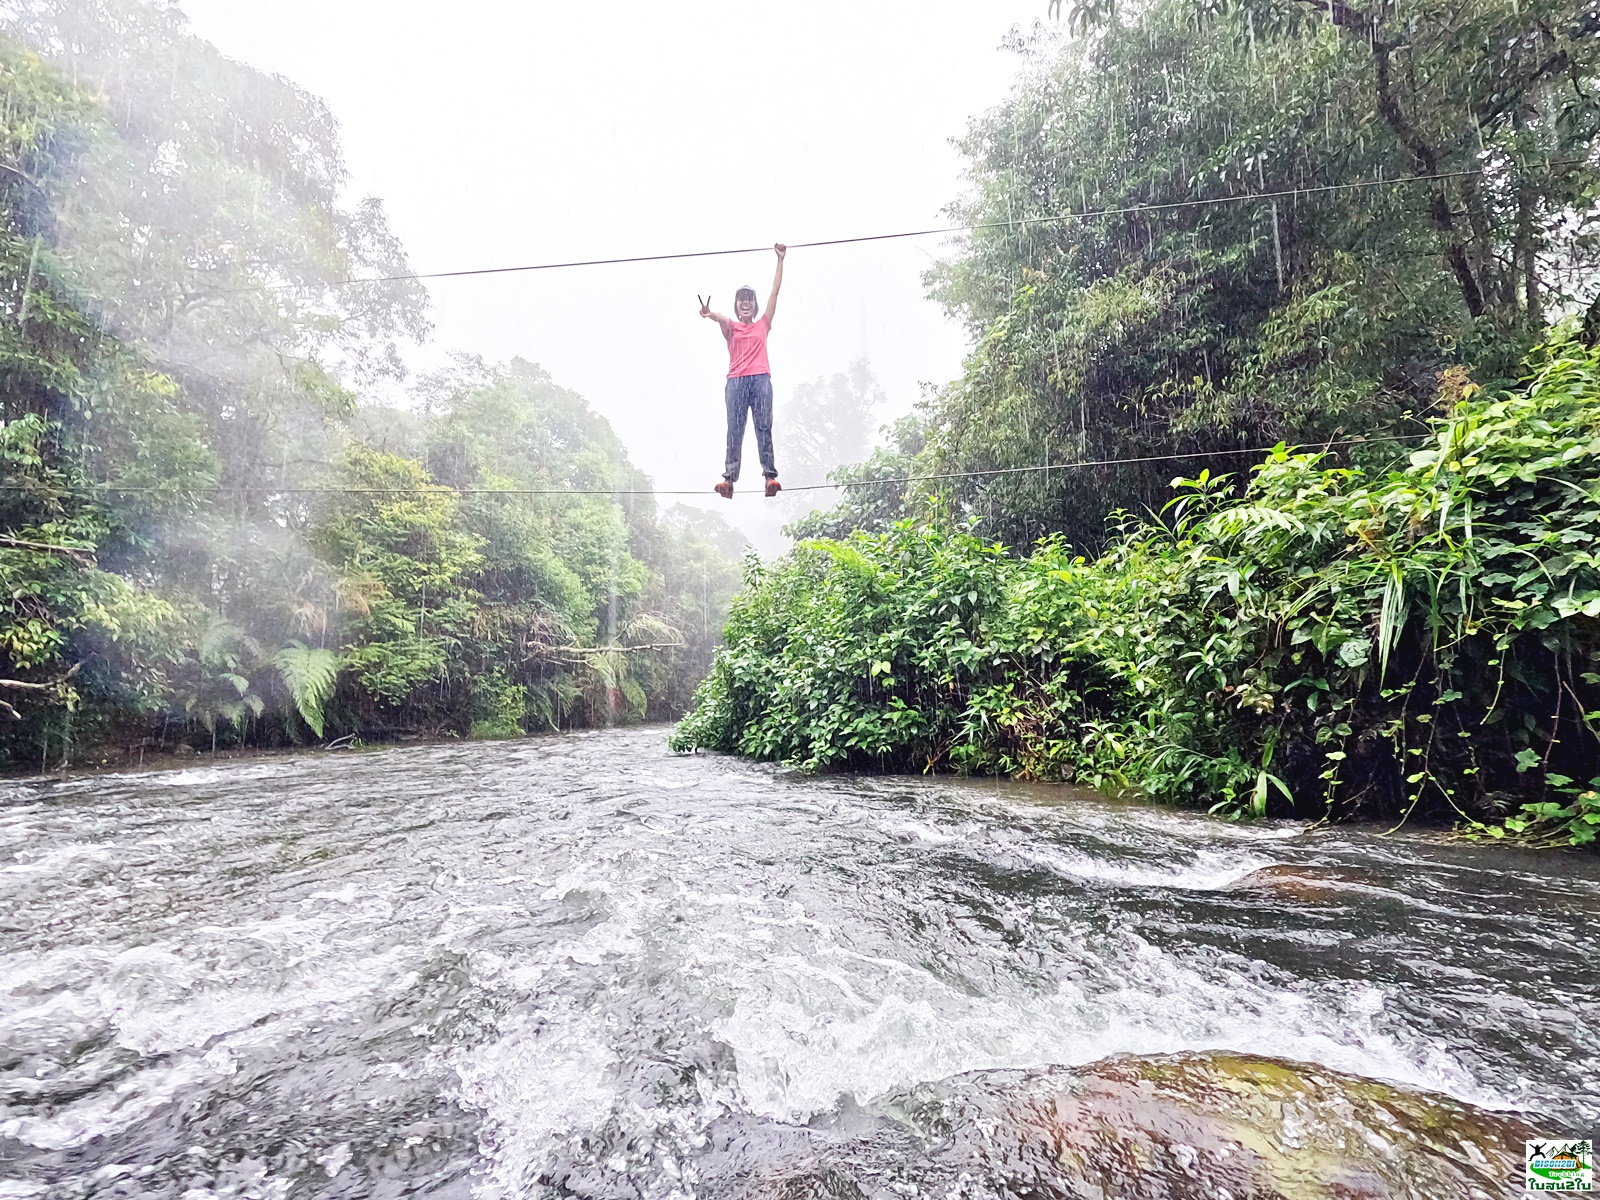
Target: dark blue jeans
[749,394]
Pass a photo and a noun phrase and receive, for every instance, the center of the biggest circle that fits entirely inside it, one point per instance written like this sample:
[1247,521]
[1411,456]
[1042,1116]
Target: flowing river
[580,966]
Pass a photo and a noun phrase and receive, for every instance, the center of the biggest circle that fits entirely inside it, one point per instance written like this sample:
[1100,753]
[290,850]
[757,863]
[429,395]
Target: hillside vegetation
[1369,234]
[227,518]
[1330,641]
[1297,218]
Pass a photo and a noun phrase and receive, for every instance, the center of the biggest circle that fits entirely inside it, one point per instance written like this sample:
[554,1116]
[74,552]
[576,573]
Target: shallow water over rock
[581,966]
[1193,1125]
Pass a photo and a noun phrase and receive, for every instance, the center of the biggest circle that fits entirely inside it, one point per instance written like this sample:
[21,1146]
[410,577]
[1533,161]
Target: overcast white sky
[501,132]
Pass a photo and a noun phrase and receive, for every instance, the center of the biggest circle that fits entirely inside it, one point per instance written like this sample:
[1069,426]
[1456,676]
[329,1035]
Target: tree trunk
[1527,256]
[1501,285]
[1426,161]
[1364,27]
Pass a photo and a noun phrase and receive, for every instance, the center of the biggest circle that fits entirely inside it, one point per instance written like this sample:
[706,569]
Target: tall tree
[203,535]
[829,422]
[1207,227]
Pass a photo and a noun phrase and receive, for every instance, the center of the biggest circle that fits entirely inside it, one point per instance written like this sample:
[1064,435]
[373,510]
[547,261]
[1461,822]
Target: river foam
[567,964]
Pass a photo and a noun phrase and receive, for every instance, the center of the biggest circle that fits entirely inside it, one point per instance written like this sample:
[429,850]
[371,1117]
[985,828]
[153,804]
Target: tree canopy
[1204,227]
[213,532]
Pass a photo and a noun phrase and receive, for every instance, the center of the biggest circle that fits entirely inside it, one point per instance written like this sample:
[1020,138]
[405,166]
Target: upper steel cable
[1050,219]
[1012,223]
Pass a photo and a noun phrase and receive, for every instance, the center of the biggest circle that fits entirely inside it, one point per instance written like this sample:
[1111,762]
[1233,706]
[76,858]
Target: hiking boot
[773,488]
[725,489]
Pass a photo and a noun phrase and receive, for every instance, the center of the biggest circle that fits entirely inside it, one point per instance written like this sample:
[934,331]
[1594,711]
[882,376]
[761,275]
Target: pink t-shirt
[747,348]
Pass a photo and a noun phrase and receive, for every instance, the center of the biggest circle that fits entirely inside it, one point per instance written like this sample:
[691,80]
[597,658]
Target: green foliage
[1332,641]
[1154,327]
[309,673]
[213,684]
[589,608]
[72,635]
[868,505]
[206,534]
[498,706]
[397,532]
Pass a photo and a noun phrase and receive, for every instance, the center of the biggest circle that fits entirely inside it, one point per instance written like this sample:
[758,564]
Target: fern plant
[216,687]
[309,674]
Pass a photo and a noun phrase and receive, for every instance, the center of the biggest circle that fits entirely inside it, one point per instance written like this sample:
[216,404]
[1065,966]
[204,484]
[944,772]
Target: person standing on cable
[749,386]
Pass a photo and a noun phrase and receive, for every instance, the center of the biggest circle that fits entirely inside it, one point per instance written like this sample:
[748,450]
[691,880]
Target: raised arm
[777,283]
[723,323]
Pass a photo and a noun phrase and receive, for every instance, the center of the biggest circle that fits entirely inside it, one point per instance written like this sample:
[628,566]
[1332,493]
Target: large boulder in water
[1313,884]
[1201,1124]
[1180,1127]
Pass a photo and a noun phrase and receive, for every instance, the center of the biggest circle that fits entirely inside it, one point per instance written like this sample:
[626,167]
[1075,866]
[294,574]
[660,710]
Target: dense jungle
[1160,763]
[1270,484]
[228,518]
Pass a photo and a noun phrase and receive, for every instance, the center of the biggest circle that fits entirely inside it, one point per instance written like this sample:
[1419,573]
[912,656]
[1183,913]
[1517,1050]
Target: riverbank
[1420,643]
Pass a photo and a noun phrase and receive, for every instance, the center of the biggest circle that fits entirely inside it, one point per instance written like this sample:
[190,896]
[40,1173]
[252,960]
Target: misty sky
[501,132]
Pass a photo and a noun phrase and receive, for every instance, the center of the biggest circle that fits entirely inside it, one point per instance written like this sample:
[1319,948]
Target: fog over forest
[256,497]
[633,129]
[1144,743]
[221,420]
[239,517]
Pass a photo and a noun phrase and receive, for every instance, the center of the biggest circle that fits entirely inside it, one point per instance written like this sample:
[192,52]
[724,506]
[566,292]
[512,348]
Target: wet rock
[1181,1127]
[1313,884]
[1198,1125]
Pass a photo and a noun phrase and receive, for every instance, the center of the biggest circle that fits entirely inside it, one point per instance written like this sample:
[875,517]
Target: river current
[580,965]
